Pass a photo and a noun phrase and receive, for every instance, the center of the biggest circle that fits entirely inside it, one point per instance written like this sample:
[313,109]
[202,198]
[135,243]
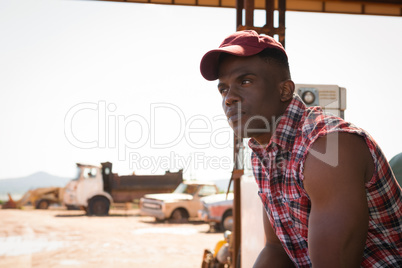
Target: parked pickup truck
[180,205]
[217,210]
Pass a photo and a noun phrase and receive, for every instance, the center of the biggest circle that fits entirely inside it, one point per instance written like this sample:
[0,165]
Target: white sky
[67,67]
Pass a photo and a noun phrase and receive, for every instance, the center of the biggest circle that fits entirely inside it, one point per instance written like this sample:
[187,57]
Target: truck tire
[42,204]
[227,221]
[159,220]
[179,215]
[98,206]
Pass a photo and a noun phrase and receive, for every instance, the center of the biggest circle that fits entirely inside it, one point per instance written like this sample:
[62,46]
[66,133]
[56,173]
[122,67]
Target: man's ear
[287,89]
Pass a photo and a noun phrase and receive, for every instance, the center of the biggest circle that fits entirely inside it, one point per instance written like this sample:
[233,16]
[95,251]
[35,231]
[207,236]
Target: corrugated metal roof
[366,7]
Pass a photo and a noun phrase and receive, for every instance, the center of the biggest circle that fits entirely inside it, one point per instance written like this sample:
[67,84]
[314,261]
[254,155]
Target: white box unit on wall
[331,98]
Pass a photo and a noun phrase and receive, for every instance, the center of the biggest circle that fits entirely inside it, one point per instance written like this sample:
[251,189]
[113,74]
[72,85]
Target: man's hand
[338,220]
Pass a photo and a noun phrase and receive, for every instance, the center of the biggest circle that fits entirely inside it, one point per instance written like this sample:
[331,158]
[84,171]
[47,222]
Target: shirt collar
[286,128]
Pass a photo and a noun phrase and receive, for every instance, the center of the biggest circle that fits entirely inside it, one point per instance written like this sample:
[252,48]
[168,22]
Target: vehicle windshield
[185,189]
[89,172]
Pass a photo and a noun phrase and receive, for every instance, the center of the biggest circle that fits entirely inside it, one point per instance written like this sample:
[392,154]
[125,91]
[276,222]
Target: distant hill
[18,186]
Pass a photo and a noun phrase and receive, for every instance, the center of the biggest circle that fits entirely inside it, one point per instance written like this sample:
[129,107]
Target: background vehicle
[40,198]
[97,187]
[180,205]
[396,165]
[218,211]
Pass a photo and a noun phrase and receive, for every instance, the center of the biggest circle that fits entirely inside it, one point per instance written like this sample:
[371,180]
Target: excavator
[40,198]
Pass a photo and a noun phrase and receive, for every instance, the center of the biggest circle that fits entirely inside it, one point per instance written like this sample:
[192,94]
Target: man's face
[250,89]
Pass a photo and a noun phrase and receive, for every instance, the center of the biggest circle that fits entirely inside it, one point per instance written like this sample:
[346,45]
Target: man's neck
[263,139]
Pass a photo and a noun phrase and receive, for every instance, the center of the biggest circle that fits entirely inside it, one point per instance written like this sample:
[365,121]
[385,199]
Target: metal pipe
[239,13]
[249,12]
[281,28]
[269,14]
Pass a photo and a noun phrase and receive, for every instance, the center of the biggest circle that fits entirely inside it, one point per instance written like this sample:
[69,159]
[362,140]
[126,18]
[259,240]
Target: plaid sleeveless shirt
[278,170]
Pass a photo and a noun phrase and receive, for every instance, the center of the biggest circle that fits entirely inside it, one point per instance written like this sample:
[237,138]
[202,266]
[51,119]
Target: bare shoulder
[338,161]
[335,171]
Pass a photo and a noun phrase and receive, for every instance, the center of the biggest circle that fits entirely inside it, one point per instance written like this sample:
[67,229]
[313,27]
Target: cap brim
[209,63]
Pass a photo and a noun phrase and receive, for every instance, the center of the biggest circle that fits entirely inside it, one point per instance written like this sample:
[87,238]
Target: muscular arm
[338,220]
[273,254]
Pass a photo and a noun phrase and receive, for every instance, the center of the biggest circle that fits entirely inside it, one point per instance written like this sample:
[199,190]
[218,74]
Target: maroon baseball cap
[241,43]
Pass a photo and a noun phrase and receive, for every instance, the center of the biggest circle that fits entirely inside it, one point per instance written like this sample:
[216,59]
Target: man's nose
[232,97]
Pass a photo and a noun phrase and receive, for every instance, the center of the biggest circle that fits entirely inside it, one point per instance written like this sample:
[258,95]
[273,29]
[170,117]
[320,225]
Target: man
[329,195]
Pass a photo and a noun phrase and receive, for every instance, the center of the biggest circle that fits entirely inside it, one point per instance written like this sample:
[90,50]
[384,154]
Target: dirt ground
[62,238]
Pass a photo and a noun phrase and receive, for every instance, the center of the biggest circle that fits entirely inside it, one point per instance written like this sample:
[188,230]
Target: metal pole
[269,14]
[239,13]
[281,28]
[249,13]
[238,170]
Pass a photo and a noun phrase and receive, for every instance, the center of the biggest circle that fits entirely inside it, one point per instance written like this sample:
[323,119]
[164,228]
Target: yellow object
[218,247]
[47,195]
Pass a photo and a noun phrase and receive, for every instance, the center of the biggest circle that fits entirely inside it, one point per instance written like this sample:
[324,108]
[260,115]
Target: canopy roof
[367,7]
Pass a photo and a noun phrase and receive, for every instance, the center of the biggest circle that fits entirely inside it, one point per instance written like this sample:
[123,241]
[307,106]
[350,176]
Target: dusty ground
[62,238]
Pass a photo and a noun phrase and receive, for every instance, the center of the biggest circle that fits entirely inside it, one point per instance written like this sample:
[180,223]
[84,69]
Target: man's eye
[245,82]
[222,90]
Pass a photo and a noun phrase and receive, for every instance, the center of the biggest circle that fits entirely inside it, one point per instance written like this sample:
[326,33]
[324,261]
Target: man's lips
[234,115]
